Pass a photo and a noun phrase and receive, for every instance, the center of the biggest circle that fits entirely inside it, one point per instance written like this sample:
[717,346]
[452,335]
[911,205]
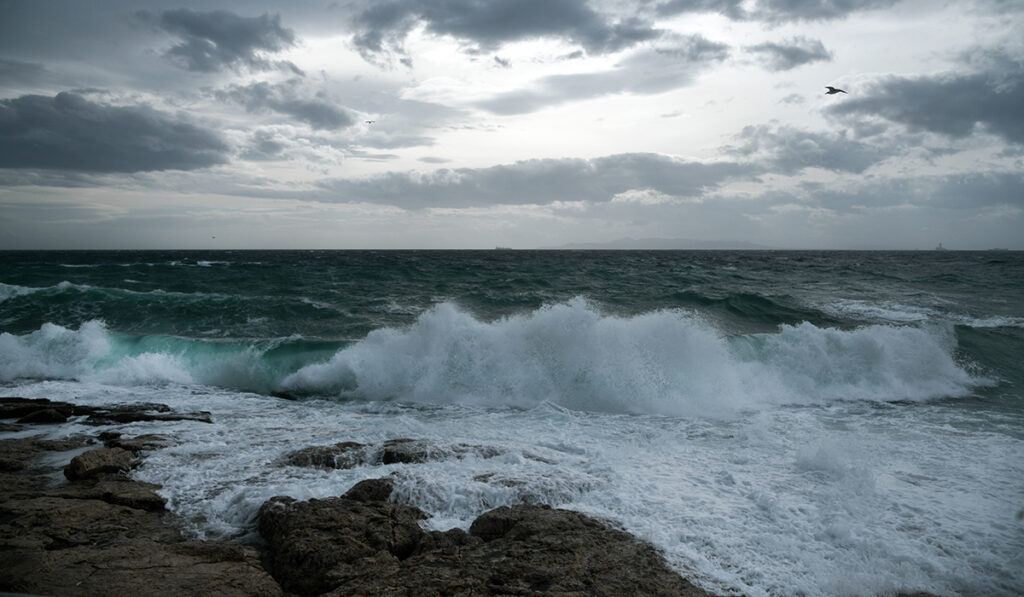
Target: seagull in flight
[832,90]
[370,121]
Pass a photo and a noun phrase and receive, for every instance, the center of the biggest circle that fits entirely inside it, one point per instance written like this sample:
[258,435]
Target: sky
[471,124]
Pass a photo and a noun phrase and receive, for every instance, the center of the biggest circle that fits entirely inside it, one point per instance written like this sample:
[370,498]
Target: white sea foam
[53,351]
[844,500]
[664,362]
[8,291]
[94,354]
[571,355]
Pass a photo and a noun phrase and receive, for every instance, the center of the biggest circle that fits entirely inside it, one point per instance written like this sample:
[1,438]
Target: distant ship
[940,247]
[502,248]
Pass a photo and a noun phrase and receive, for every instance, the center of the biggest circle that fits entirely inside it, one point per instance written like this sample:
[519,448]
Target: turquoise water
[778,423]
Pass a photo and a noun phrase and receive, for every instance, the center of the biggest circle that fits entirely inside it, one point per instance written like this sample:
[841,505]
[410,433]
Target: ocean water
[777,423]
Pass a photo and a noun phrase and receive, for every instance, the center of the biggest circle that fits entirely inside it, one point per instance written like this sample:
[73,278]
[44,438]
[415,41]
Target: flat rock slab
[103,533]
[138,567]
[43,410]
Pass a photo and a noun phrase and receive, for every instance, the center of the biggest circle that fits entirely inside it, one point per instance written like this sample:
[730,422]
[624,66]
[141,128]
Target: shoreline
[74,522]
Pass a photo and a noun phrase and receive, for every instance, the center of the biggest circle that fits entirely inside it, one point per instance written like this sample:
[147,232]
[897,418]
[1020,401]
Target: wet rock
[10,465]
[141,412]
[43,416]
[139,566]
[14,408]
[370,490]
[345,455]
[105,535]
[369,547]
[318,545]
[95,462]
[114,489]
[19,471]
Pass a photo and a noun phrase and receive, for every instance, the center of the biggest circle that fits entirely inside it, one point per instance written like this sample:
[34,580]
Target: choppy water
[778,423]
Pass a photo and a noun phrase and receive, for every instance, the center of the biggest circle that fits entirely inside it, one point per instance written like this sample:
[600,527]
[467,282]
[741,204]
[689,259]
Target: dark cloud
[538,182]
[13,71]
[646,72]
[212,41]
[730,8]
[796,52]
[791,10]
[951,105]
[774,10]
[284,98]
[789,150]
[70,132]
[486,24]
[263,145]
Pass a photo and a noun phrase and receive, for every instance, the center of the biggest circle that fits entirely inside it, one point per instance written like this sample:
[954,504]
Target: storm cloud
[955,106]
[213,41]
[539,182]
[789,150]
[284,98]
[70,132]
[486,24]
[785,56]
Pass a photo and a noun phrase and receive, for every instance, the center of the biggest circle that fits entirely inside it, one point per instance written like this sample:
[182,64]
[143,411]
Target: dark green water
[288,309]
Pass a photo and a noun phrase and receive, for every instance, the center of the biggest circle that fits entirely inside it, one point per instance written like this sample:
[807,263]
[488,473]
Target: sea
[777,423]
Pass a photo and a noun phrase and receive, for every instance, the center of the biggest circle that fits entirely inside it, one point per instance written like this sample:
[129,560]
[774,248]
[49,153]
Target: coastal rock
[136,567]
[103,460]
[134,413]
[319,545]
[370,490]
[349,546]
[15,408]
[19,471]
[114,489]
[345,455]
[105,534]
[46,415]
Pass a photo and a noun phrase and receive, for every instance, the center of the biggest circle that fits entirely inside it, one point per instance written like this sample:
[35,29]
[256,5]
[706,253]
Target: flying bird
[370,121]
[832,90]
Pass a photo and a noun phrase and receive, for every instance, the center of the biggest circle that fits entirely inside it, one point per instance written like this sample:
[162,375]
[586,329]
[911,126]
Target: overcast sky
[522,123]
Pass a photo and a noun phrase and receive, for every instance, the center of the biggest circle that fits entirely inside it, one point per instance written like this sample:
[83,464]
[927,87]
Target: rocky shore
[74,522]
[84,527]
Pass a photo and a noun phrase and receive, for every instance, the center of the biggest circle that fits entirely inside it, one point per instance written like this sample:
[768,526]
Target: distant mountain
[663,243]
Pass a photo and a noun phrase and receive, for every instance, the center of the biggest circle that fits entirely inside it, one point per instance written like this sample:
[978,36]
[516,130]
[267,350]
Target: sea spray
[664,362]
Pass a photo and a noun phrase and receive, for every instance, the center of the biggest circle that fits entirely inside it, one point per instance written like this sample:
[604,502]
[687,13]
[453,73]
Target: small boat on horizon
[940,247]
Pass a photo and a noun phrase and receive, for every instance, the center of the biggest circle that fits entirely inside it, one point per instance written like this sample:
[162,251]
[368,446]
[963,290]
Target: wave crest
[662,362]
